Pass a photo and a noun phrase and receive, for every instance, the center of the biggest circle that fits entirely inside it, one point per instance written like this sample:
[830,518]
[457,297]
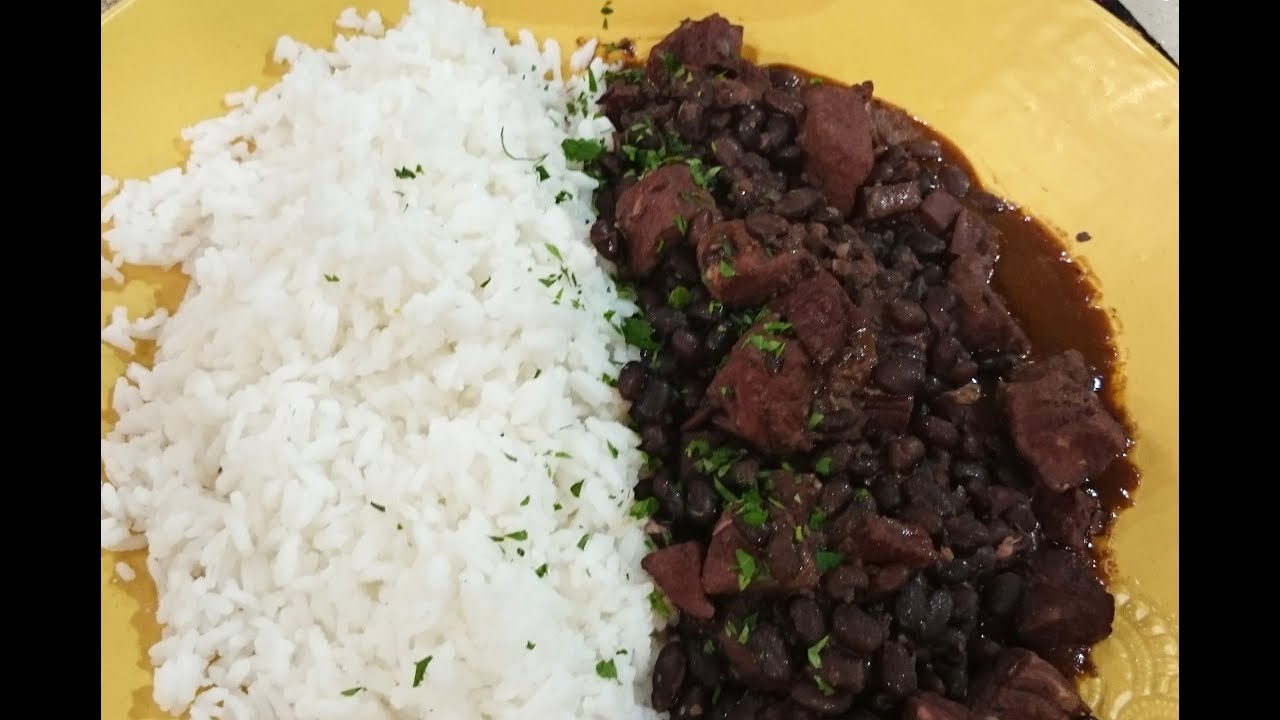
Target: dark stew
[876,475]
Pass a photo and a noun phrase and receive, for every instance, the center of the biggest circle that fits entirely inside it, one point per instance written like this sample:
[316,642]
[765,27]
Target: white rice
[317,465]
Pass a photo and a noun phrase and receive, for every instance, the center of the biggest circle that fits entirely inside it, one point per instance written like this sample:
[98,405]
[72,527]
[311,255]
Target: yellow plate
[1060,107]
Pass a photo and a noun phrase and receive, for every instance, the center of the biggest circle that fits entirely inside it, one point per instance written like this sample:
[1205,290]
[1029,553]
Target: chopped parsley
[769,346]
[670,62]
[576,488]
[541,571]
[747,569]
[645,508]
[777,327]
[679,297]
[537,373]
[726,270]
[606,10]
[420,670]
[697,448]
[638,332]
[563,455]
[555,252]
[659,604]
[351,691]
[529,645]
[815,81]
[582,542]
[862,494]
[583,151]
[612,450]
[748,624]
[822,466]
[799,533]
[592,85]
[562,196]
[379,508]
[485,284]
[824,686]
[517,535]
[525,501]
[509,456]
[330,278]
[816,518]
[815,418]
[542,172]
[708,647]
[681,224]
[815,651]
[607,670]
[405,173]
[702,175]
[826,560]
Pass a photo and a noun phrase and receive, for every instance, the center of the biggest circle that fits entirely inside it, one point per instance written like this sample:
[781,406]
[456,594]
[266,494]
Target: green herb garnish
[351,691]
[562,196]
[420,670]
[824,686]
[645,508]
[607,670]
[583,151]
[659,604]
[529,645]
[606,10]
[822,465]
[769,346]
[576,488]
[681,224]
[330,278]
[541,571]
[748,624]
[825,560]
[379,508]
[582,542]
[726,270]
[814,419]
[746,568]
[815,651]
[542,172]
[638,332]
[612,450]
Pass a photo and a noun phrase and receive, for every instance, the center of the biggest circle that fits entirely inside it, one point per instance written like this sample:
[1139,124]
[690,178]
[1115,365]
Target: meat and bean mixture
[874,490]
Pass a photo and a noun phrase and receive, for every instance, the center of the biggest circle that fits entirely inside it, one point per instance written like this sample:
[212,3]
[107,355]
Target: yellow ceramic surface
[1060,107]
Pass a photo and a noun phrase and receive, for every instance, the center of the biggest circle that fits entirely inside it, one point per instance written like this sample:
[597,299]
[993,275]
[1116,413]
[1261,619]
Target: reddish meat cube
[881,540]
[1058,423]
[976,247]
[677,570]
[1065,604]
[984,320]
[719,572]
[1071,518]
[938,210]
[887,412]
[1023,686]
[882,201]
[796,493]
[763,393]
[784,566]
[932,706]
[821,315]
[653,214]
[836,138]
[712,42]
[739,271]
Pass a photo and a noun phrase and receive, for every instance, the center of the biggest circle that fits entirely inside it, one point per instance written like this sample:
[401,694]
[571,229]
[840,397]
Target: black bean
[707,312]
[995,363]
[964,604]
[727,151]
[749,127]
[781,76]
[695,702]
[882,201]
[806,618]
[904,452]
[783,557]
[668,676]
[704,667]
[897,669]
[1002,594]
[606,240]
[631,381]
[957,679]
[955,180]
[683,266]
[742,474]
[689,120]
[654,439]
[661,364]
[899,376]
[843,671]
[787,103]
[798,203]
[982,561]
[928,182]
[968,471]
[951,646]
[929,680]
[923,149]
[670,493]
[789,158]
[691,393]
[864,466]
[1022,519]
[906,316]
[764,226]
[686,344]
[666,320]
[845,582]
[925,244]
[835,495]
[807,694]
[653,401]
[937,431]
[910,607]
[770,652]
[885,490]
[825,214]
[939,613]
[984,649]
[856,630]
[701,501]
[719,339]
[931,274]
[777,133]
[986,202]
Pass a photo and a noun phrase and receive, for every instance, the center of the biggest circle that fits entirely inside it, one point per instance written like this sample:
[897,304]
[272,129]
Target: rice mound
[378,464]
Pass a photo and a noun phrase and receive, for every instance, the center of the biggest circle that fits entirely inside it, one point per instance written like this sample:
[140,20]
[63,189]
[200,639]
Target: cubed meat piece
[1071,518]
[882,201]
[938,210]
[1023,686]
[720,571]
[976,247]
[793,495]
[821,315]
[653,214]
[880,540]
[712,42]
[763,393]
[887,412]
[932,706]
[893,126]
[1065,603]
[984,320]
[1058,423]
[836,138]
[677,571]
[739,270]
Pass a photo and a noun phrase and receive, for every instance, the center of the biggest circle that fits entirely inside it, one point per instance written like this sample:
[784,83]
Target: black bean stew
[875,488]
